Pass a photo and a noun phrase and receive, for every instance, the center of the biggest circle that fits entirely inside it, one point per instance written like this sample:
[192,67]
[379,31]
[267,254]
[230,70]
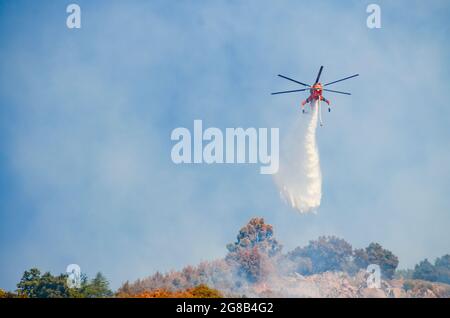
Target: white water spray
[299,178]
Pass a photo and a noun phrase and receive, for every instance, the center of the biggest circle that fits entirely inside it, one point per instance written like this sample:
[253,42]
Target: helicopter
[315,90]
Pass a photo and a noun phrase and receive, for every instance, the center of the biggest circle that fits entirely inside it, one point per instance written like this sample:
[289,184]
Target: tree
[29,283]
[425,270]
[439,272]
[443,268]
[35,285]
[327,253]
[250,263]
[53,286]
[97,288]
[256,234]
[376,254]
[252,252]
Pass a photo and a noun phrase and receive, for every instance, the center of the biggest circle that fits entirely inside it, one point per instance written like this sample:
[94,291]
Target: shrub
[200,291]
[376,254]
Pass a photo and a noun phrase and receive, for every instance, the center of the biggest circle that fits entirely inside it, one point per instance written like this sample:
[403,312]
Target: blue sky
[86,117]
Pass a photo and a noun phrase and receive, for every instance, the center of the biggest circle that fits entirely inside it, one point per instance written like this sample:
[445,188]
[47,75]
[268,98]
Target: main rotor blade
[290,79]
[343,79]
[329,90]
[318,75]
[296,90]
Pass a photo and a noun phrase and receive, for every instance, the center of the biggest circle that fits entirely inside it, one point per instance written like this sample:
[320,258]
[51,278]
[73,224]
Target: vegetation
[36,285]
[328,253]
[251,254]
[437,272]
[200,291]
[376,254]
[421,288]
[256,234]
[256,253]
[7,294]
[251,260]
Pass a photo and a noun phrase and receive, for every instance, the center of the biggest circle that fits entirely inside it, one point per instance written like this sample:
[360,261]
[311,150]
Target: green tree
[79,292]
[28,285]
[35,285]
[376,254]
[98,287]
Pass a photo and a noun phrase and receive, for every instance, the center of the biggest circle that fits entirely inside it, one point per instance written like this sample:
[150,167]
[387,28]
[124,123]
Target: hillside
[255,266]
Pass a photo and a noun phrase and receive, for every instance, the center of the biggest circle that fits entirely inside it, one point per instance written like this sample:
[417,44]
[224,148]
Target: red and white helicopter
[315,91]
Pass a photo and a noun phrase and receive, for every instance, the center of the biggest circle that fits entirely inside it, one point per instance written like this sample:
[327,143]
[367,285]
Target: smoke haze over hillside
[86,116]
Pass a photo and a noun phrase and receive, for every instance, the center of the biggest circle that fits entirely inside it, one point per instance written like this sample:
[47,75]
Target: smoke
[255,266]
[299,178]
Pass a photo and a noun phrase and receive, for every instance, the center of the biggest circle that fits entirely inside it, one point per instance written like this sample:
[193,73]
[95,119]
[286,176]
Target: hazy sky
[86,116]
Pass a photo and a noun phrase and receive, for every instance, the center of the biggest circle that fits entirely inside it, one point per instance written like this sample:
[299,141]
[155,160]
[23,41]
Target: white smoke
[299,178]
